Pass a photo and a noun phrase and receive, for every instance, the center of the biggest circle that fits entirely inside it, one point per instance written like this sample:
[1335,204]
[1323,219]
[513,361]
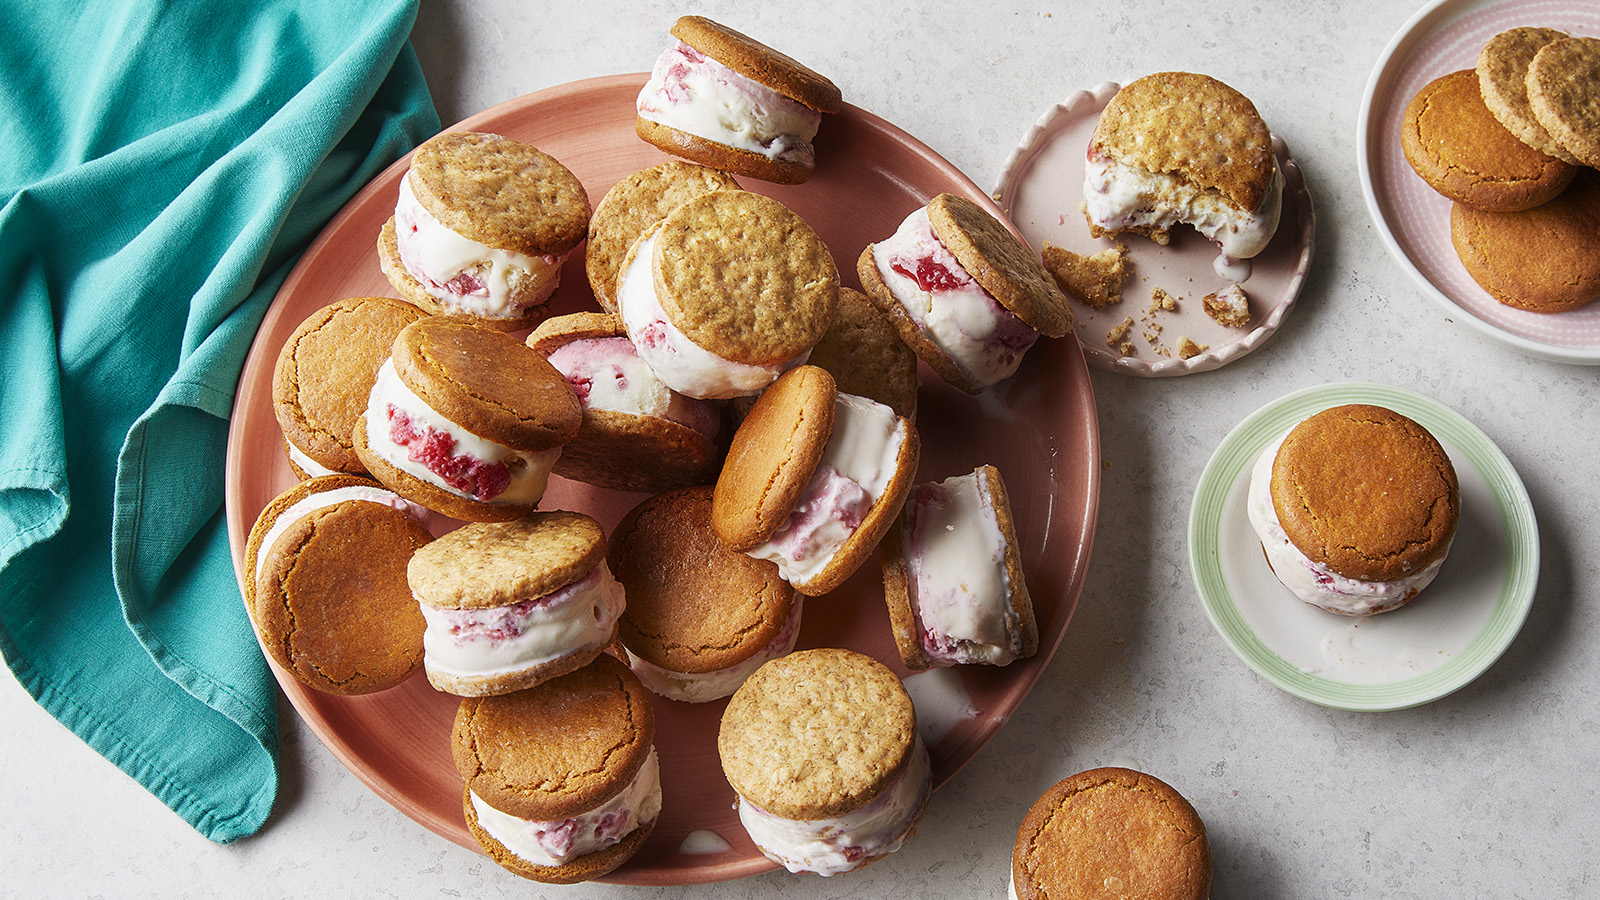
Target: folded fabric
[165,164]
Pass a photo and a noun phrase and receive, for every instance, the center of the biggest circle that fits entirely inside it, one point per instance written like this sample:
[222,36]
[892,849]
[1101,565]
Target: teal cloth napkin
[164,164]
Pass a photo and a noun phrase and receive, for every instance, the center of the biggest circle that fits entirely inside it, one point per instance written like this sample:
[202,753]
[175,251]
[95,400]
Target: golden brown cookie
[1094,280]
[759,63]
[633,205]
[1111,832]
[700,617]
[560,751]
[999,261]
[865,355]
[773,456]
[1545,259]
[1564,95]
[324,582]
[1462,151]
[1503,81]
[486,564]
[1366,492]
[325,371]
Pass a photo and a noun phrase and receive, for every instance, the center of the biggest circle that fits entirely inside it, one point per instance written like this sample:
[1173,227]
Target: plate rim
[1434,15]
[1237,452]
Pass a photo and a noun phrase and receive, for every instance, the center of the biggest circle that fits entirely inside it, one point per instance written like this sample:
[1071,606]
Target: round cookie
[1367,492]
[759,63]
[773,456]
[323,374]
[865,355]
[559,751]
[520,573]
[324,583]
[996,259]
[700,617]
[489,385]
[1564,94]
[1111,832]
[1503,81]
[1462,151]
[1545,259]
[504,195]
[624,449]
[632,206]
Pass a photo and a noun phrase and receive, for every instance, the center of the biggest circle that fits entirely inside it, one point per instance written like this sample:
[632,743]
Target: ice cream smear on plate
[942,703]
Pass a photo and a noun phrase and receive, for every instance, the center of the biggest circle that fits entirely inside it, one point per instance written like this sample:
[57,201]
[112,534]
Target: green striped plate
[1442,640]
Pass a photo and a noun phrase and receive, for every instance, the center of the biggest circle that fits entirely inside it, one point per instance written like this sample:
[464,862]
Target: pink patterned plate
[1414,221]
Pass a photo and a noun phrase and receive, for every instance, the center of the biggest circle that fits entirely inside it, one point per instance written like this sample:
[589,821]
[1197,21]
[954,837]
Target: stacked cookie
[1512,144]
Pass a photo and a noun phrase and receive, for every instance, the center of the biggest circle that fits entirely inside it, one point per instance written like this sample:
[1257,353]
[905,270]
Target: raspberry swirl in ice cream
[412,436]
[464,274]
[496,639]
[694,93]
[833,846]
[700,687]
[982,337]
[1119,196]
[555,843]
[959,587]
[680,363]
[607,373]
[1310,580]
[857,465]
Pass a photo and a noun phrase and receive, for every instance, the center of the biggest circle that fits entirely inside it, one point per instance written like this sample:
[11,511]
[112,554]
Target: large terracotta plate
[1039,429]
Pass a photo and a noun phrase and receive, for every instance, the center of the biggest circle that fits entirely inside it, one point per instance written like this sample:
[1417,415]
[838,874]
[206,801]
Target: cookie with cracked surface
[1545,259]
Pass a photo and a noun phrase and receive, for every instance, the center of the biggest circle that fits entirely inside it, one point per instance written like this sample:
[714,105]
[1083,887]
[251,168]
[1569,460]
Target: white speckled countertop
[1488,792]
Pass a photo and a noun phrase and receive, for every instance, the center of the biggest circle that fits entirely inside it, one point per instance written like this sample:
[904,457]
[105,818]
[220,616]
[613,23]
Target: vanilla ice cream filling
[1310,580]
[324,499]
[836,845]
[498,640]
[464,274]
[311,467]
[555,843]
[679,362]
[960,589]
[860,459]
[472,459]
[982,337]
[700,687]
[1117,196]
[608,374]
[694,93]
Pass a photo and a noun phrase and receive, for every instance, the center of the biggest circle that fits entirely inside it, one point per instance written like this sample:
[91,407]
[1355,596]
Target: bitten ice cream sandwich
[725,100]
[637,433]
[1111,832]
[813,479]
[466,421]
[700,617]
[952,576]
[1356,507]
[562,780]
[725,293]
[325,584]
[822,748]
[965,294]
[511,604]
[323,375]
[481,229]
[1180,148]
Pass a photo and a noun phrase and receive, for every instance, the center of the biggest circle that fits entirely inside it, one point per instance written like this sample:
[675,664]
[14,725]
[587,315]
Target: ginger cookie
[1545,259]
[1564,95]
[1503,81]
[1462,151]
[633,205]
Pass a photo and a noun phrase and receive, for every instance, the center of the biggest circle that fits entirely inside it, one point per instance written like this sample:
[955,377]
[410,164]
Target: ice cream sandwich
[511,604]
[325,584]
[952,576]
[813,479]
[725,293]
[637,433]
[633,205]
[1111,832]
[1356,507]
[563,783]
[466,421]
[967,296]
[725,100]
[700,617]
[481,228]
[822,748]
[1182,148]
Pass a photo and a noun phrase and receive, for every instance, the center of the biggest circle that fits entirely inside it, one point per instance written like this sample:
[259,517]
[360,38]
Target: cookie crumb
[1161,301]
[1118,336]
[1188,349]
[1095,280]
[1229,306]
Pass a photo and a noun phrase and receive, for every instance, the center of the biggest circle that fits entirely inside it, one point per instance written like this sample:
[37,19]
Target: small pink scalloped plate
[1412,219]
[1040,188]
